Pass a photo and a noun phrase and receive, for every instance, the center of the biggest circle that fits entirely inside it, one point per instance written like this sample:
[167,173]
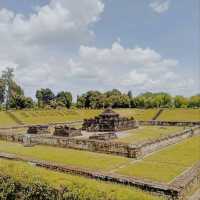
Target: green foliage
[21,102]
[2,91]
[166,164]
[65,186]
[64,98]
[44,96]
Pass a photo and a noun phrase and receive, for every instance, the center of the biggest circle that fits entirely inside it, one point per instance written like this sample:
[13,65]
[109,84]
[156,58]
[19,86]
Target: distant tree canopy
[12,96]
[117,99]
[11,92]
[47,98]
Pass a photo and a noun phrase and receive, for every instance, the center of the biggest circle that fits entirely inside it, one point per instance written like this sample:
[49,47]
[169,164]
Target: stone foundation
[109,147]
[169,123]
[39,129]
[103,136]
[66,131]
[109,121]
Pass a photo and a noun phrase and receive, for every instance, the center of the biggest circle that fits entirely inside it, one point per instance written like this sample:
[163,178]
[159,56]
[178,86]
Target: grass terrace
[139,114]
[45,116]
[85,188]
[161,166]
[145,133]
[180,115]
[166,164]
[84,159]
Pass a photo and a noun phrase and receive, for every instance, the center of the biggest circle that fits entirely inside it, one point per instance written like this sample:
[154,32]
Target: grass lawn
[139,114]
[148,133]
[42,116]
[166,164]
[6,120]
[180,115]
[77,158]
[24,172]
[53,116]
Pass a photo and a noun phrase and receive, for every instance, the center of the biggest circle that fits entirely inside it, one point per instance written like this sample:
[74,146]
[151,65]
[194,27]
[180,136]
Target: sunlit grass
[145,133]
[166,164]
[76,158]
[180,115]
[84,187]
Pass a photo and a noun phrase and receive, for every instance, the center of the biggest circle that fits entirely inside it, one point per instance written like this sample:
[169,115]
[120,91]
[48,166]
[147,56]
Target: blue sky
[138,45]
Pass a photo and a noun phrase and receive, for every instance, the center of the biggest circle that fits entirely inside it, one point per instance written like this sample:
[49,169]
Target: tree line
[12,97]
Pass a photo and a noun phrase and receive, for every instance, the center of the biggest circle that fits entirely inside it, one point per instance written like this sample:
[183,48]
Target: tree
[2,91]
[44,96]
[180,102]
[130,95]
[194,101]
[65,98]
[21,102]
[7,77]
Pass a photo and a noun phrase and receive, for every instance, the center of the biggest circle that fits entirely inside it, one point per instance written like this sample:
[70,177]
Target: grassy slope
[180,115]
[166,164]
[85,187]
[139,114]
[6,120]
[66,156]
[162,166]
[148,133]
[53,116]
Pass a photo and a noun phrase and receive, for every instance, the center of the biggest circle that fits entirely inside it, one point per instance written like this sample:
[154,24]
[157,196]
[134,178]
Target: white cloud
[160,6]
[39,48]
[60,20]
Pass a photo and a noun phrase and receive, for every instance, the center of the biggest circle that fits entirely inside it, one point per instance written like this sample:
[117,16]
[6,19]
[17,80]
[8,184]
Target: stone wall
[153,145]
[148,186]
[169,123]
[188,181]
[109,147]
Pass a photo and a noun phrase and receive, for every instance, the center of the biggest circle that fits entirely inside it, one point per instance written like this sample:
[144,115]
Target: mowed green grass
[166,164]
[180,115]
[138,114]
[24,173]
[45,116]
[145,133]
[53,116]
[6,120]
[84,159]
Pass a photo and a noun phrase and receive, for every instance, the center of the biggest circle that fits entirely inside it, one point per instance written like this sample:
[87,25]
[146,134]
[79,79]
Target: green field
[166,164]
[84,159]
[139,114]
[42,116]
[180,115]
[145,133]
[162,166]
[85,188]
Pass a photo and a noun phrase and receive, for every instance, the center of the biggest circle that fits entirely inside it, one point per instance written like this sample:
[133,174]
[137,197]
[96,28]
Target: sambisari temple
[109,121]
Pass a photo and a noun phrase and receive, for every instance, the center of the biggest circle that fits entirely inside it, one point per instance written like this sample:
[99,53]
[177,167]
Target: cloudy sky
[79,45]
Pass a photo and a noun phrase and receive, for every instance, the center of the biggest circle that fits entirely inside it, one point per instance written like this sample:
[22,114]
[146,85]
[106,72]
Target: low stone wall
[109,147]
[169,123]
[153,145]
[188,181]
[177,190]
[148,186]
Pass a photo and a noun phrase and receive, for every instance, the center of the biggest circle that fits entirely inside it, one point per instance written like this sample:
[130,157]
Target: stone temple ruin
[109,121]
[66,131]
[38,129]
[103,136]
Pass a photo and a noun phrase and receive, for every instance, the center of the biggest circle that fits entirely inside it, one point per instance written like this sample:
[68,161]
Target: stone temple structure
[38,129]
[66,131]
[103,136]
[109,121]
